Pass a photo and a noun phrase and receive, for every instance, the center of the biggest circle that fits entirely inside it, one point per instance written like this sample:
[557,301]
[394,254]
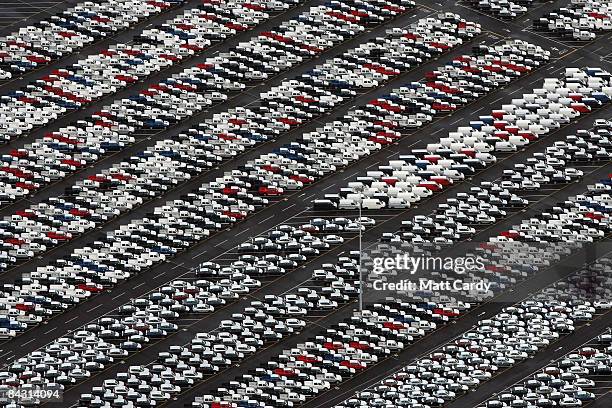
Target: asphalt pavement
[295,206]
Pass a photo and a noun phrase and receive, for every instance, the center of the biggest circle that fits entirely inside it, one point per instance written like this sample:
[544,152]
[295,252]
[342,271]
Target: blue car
[154,124]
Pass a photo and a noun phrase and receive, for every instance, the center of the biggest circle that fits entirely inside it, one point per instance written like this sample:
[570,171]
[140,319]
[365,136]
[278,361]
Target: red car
[430,185]
[60,236]
[333,345]
[236,214]
[80,213]
[359,345]
[270,191]
[308,359]
[90,287]
[353,364]
[393,326]
[446,312]
[301,178]
[510,234]
[27,306]
[285,372]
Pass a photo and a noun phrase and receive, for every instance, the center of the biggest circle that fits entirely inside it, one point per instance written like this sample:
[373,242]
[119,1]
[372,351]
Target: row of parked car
[580,21]
[515,334]
[170,161]
[96,345]
[472,148]
[504,9]
[122,64]
[567,382]
[113,127]
[37,44]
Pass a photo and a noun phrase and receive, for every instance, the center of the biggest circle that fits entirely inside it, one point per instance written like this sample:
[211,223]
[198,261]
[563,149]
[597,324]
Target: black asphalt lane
[605,401]
[253,225]
[19,13]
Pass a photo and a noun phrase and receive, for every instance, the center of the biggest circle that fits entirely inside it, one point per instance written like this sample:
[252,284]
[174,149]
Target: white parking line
[535,80]
[200,254]
[556,70]
[328,187]
[285,209]
[118,296]
[348,177]
[95,307]
[264,220]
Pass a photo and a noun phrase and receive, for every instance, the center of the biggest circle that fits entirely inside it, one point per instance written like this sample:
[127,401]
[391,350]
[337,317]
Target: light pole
[360,260]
